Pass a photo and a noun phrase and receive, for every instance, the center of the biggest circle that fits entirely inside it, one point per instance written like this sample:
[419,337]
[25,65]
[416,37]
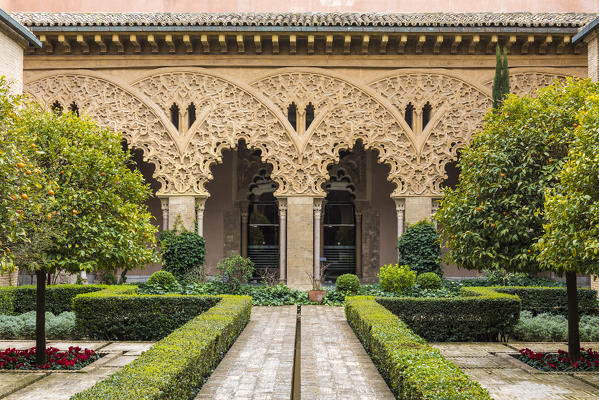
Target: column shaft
[200,206]
[244,229]
[282,240]
[316,257]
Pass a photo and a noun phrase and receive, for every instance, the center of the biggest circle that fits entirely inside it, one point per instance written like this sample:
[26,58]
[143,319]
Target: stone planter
[316,296]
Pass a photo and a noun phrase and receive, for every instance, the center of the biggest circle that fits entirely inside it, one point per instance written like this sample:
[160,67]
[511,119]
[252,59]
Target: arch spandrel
[458,110]
[344,113]
[526,82]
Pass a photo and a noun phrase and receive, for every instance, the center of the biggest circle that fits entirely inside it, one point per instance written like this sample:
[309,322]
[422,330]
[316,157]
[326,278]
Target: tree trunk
[573,332]
[40,319]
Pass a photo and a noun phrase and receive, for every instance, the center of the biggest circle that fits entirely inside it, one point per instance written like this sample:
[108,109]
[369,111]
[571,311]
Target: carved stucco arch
[345,112]
[227,111]
[527,80]
[118,107]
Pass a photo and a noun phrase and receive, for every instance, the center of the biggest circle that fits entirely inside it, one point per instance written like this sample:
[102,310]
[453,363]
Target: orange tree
[570,243]
[84,211]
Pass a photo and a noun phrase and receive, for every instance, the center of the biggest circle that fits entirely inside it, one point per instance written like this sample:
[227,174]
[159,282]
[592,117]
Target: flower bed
[560,362]
[72,359]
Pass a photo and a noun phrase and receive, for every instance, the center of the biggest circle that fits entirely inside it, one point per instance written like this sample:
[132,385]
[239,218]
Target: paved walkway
[260,363]
[334,365]
[59,385]
[508,379]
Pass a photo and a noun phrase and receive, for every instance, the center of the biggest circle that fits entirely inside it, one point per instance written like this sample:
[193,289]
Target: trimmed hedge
[479,314]
[412,369]
[59,298]
[119,313]
[553,300]
[176,366]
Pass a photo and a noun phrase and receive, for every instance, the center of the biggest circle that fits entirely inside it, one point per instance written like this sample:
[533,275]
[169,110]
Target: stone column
[359,242]
[164,207]
[400,209]
[317,236]
[282,240]
[244,228]
[200,206]
[183,208]
[300,241]
[417,209]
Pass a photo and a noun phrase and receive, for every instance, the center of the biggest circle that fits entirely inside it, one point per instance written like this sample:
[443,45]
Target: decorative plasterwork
[528,82]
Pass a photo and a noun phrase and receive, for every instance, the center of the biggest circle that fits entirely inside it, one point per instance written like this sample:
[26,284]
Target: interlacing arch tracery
[527,82]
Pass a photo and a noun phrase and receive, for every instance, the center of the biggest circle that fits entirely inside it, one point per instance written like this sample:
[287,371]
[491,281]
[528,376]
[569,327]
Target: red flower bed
[588,361]
[74,358]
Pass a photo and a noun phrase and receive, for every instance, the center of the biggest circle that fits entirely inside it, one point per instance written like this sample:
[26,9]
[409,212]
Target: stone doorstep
[104,358]
[509,357]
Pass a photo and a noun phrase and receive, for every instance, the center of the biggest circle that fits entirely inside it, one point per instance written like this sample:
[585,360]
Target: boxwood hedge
[176,366]
[119,313]
[21,299]
[553,300]
[478,314]
[412,369]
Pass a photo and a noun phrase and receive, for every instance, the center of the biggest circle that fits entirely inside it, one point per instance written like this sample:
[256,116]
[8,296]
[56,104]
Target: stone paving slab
[129,348]
[10,382]
[334,365]
[259,365]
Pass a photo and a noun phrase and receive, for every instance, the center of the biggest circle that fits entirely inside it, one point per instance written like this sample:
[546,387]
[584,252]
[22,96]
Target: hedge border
[412,369]
[550,299]
[177,366]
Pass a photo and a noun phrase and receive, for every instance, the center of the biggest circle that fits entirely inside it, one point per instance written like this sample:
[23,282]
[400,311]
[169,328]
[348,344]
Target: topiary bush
[183,252]
[348,283]
[396,278]
[429,280]
[163,278]
[419,247]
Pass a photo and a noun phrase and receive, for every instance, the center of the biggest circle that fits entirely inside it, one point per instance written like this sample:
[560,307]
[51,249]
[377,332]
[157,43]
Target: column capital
[400,204]
[282,203]
[164,203]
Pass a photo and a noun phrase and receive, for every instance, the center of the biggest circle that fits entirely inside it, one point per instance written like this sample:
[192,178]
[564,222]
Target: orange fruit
[53,212]
[453,236]
[13,197]
[75,212]
[20,165]
[28,172]
[20,211]
[102,173]
[502,175]
[479,209]
[24,196]
[51,192]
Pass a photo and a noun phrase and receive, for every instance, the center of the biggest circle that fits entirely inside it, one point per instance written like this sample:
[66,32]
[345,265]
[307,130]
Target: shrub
[348,283]
[178,365]
[412,369]
[479,314]
[551,299]
[182,253]
[429,280]
[59,298]
[163,278]
[234,272]
[22,326]
[419,247]
[554,328]
[396,278]
[119,313]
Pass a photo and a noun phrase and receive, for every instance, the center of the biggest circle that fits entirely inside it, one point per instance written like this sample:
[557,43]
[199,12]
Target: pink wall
[386,6]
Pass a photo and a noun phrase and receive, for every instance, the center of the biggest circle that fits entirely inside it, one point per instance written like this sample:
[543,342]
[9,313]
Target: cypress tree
[501,82]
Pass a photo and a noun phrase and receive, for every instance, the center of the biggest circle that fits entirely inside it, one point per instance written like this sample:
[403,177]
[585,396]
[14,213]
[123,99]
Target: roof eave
[19,29]
[586,30]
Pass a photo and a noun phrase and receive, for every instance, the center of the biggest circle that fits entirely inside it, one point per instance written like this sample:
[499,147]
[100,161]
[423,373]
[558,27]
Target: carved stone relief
[528,82]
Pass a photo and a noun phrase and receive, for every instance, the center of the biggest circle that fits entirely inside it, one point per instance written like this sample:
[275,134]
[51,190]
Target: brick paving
[260,363]
[334,365]
[507,379]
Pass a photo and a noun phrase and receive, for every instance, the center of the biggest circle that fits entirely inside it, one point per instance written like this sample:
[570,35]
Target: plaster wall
[11,62]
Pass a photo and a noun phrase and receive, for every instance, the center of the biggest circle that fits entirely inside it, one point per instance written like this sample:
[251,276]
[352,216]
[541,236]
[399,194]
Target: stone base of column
[300,246]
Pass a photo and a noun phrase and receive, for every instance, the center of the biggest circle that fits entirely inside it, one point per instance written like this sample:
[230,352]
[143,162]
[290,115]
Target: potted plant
[317,293]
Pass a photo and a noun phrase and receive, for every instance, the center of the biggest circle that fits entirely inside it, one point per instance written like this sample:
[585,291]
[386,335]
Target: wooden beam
[275,44]
[457,40]
[384,43]
[365,43]
[153,43]
[510,43]
[116,40]
[222,42]
[64,43]
[420,44]
[135,43]
[529,40]
[240,43]
[329,44]
[438,43]
[347,44]
[101,44]
[187,43]
[402,44]
[46,44]
[492,44]
[258,44]
[310,44]
[292,44]
[475,41]
[170,43]
[566,40]
[546,43]
[83,44]
[205,43]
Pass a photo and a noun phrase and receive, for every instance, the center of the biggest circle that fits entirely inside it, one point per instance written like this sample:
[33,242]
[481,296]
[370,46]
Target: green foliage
[59,298]
[571,238]
[119,313]
[22,326]
[348,283]
[182,253]
[412,369]
[501,81]
[480,314]
[234,271]
[178,365]
[494,217]
[163,278]
[396,278]
[419,247]
[551,299]
[554,328]
[429,280]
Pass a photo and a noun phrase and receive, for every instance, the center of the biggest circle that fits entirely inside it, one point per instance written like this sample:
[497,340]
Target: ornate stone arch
[117,107]
[344,113]
[227,111]
[526,81]
[458,110]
